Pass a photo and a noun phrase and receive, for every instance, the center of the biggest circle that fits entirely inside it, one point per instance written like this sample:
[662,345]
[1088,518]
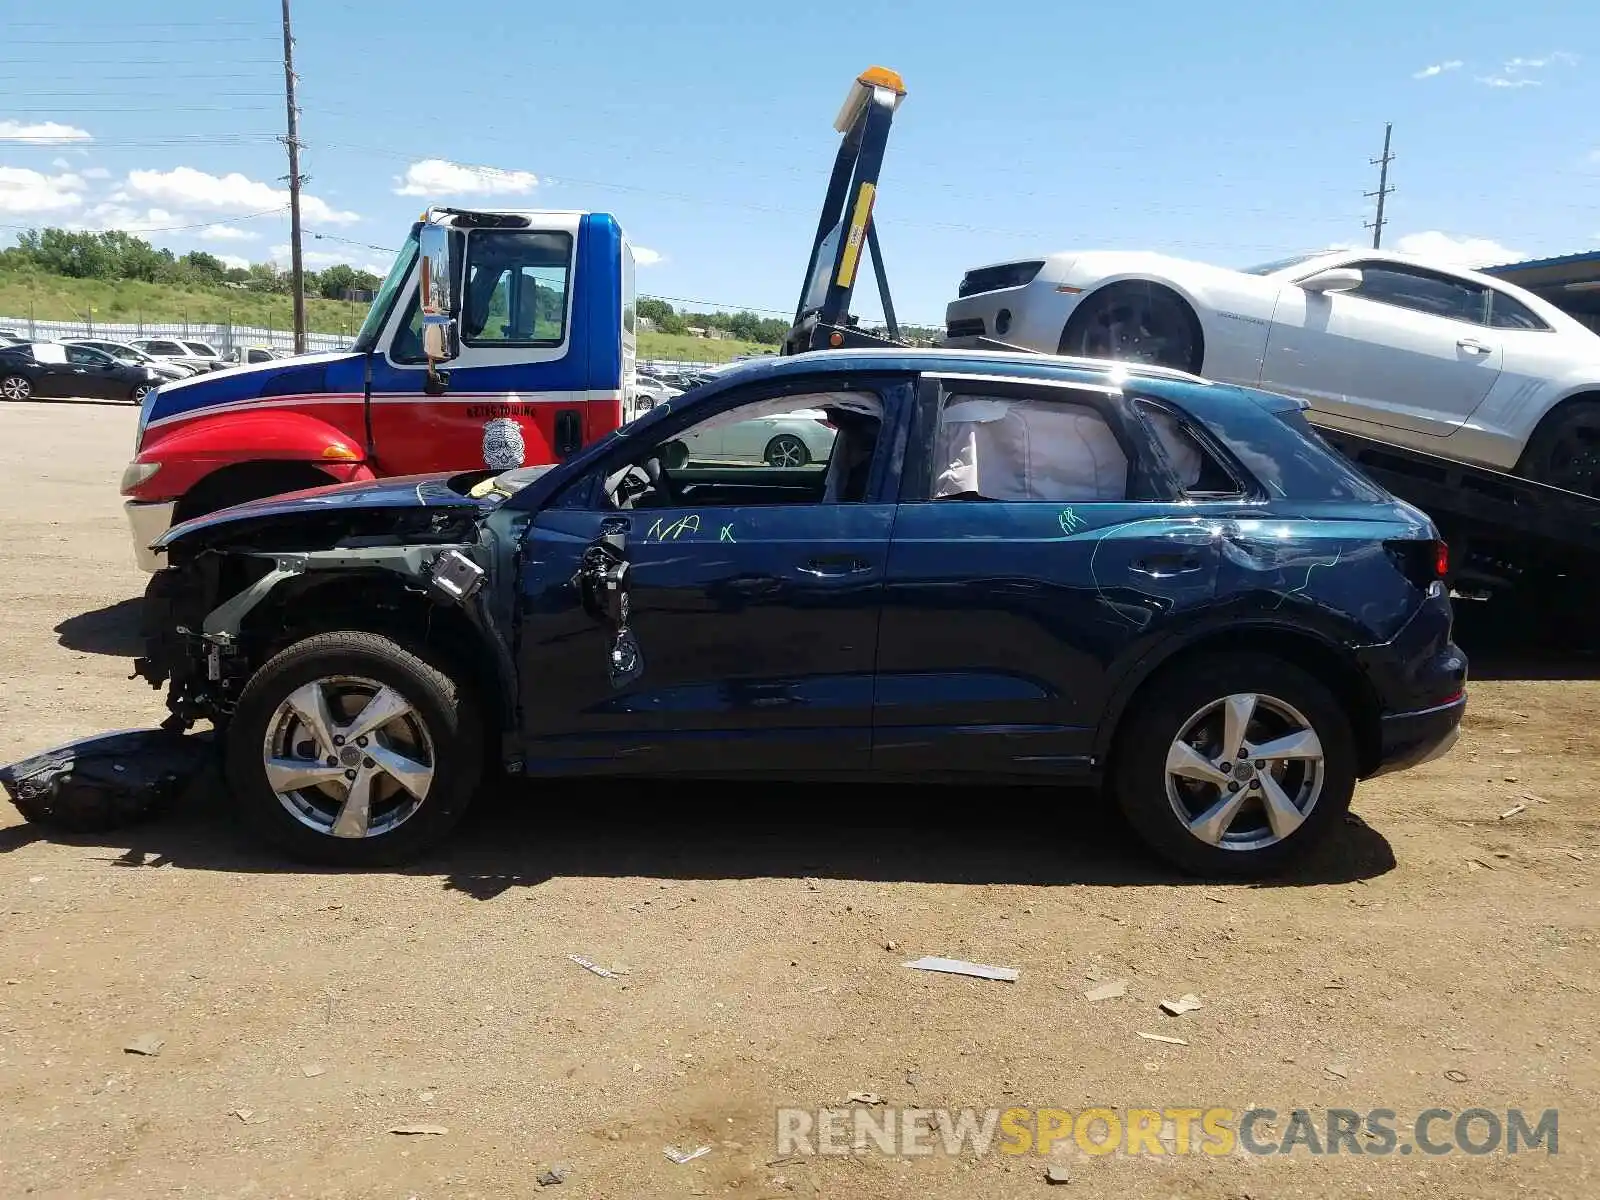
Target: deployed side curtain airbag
[1027,450]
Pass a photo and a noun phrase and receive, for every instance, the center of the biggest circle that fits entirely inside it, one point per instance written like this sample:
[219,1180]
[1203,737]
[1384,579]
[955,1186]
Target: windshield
[1282,264]
[384,300]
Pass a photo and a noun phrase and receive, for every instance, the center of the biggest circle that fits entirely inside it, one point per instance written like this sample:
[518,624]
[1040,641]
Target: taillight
[1422,562]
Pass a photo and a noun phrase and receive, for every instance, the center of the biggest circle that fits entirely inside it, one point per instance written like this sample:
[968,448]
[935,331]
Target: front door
[1032,556]
[754,597]
[1409,349]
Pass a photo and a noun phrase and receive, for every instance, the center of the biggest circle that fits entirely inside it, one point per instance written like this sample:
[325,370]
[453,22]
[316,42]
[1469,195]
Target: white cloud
[646,257]
[42,133]
[188,188]
[437,177]
[61,164]
[234,262]
[120,216]
[226,233]
[1457,251]
[1500,81]
[24,192]
[1560,57]
[314,259]
[96,173]
[1455,64]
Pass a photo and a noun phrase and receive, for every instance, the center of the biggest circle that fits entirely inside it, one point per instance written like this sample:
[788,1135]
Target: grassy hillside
[683,348]
[59,298]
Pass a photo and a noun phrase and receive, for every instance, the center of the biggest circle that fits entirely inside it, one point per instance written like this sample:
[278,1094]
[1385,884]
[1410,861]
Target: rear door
[1040,539]
[1410,349]
[754,598]
[95,375]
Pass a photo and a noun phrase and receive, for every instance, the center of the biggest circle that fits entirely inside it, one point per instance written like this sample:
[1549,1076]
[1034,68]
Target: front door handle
[1161,566]
[1474,346]
[835,567]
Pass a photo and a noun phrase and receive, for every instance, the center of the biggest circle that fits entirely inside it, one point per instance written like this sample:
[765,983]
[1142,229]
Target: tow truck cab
[542,350]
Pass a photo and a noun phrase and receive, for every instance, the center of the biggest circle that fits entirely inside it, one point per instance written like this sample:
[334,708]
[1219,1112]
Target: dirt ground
[1435,955]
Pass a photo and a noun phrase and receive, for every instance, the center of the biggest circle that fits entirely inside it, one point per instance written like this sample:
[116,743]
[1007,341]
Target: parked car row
[103,369]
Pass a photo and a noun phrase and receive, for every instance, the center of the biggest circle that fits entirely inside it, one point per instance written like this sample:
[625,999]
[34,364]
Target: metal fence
[223,337]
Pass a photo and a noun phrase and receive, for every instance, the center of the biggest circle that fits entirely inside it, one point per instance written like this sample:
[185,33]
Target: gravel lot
[307,1014]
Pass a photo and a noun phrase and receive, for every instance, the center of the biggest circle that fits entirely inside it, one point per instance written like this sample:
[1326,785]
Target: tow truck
[498,339]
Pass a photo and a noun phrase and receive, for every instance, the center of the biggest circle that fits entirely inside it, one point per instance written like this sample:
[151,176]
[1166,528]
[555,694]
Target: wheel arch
[1185,298]
[1311,652]
[1588,393]
[380,602]
[255,479]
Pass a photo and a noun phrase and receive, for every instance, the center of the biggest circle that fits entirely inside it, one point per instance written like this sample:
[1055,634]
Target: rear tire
[786,451]
[1564,450]
[437,726]
[16,387]
[1170,719]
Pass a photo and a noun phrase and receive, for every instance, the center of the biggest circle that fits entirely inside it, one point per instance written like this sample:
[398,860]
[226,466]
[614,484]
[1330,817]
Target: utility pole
[296,261]
[1383,186]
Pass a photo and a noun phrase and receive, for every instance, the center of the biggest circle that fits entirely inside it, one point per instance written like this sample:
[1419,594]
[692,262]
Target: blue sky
[1229,131]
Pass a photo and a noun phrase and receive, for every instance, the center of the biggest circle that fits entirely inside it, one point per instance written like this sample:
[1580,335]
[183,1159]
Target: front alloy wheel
[787,451]
[348,757]
[351,749]
[140,392]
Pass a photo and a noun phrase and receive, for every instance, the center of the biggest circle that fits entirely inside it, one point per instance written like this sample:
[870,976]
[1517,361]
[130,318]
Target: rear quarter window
[1309,468]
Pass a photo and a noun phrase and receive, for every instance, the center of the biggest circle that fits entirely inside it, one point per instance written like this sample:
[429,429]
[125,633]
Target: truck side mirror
[441,337]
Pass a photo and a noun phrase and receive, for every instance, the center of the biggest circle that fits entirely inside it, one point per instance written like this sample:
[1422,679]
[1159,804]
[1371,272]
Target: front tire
[786,451]
[350,750]
[140,392]
[1234,765]
[1135,322]
[16,387]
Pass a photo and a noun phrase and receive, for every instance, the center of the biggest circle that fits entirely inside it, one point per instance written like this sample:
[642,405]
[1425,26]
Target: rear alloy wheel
[140,392]
[16,387]
[1565,451]
[1134,322]
[1258,762]
[786,450]
[348,749]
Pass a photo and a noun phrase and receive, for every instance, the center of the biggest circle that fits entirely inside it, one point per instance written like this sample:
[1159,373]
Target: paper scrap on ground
[417,1130]
[955,966]
[685,1156]
[1161,1037]
[865,1098]
[590,966]
[145,1043]
[1183,1004]
[1107,991]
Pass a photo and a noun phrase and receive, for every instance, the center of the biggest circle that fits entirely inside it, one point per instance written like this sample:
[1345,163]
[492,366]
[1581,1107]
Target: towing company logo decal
[503,447]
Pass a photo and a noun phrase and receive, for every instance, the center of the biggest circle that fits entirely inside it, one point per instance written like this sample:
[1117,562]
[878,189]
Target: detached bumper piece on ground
[108,781]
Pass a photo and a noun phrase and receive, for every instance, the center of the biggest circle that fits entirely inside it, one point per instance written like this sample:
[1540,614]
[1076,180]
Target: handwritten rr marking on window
[661,532]
[1070,521]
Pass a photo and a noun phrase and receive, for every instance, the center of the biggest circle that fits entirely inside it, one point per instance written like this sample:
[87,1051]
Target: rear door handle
[1474,346]
[834,567]
[1161,566]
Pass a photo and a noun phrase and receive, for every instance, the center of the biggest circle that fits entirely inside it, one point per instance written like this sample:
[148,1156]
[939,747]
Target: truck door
[540,356]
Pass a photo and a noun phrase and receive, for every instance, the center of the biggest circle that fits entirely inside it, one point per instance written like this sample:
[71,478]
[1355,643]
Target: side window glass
[999,448]
[1506,313]
[1422,292]
[815,448]
[1201,475]
[516,291]
[407,346]
[82,356]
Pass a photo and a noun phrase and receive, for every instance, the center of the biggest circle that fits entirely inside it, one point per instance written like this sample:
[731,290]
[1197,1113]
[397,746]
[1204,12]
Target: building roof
[1582,258]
